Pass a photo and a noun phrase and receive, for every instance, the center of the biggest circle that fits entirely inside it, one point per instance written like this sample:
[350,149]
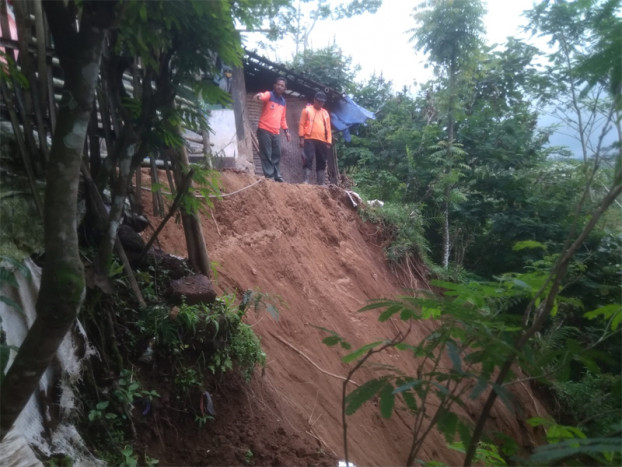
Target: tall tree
[62,281]
[449,32]
[504,149]
[578,39]
[582,84]
[328,66]
[173,42]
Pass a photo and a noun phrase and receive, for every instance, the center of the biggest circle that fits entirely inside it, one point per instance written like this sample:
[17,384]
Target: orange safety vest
[315,124]
[272,117]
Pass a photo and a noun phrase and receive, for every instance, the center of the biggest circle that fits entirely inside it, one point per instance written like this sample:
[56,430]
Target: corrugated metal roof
[260,74]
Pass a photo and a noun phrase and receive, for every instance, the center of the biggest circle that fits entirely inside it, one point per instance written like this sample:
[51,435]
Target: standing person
[271,121]
[315,137]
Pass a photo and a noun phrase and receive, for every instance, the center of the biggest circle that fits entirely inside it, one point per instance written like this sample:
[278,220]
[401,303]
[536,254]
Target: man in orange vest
[315,137]
[271,121]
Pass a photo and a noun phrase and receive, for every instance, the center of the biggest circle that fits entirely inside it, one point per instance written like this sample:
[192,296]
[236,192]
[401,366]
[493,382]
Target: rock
[172,266]
[196,289]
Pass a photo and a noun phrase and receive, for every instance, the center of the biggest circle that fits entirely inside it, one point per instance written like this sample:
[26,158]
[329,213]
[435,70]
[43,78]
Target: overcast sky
[380,42]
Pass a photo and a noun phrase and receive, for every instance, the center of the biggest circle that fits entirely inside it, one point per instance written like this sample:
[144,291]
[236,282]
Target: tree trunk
[446,239]
[449,163]
[195,243]
[62,281]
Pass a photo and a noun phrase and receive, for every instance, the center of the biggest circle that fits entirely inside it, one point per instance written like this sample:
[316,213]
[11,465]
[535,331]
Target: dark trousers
[269,152]
[319,150]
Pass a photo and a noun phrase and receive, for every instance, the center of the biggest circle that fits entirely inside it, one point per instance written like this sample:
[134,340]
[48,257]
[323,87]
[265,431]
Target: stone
[196,289]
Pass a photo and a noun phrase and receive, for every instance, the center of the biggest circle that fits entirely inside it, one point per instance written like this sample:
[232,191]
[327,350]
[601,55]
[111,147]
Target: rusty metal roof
[260,74]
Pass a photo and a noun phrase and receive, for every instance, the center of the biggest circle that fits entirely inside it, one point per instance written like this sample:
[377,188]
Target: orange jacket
[315,124]
[272,117]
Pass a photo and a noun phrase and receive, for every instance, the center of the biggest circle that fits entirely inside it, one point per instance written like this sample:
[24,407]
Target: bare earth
[307,245]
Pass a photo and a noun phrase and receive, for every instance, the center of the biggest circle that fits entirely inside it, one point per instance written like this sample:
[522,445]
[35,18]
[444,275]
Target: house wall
[223,135]
[244,131]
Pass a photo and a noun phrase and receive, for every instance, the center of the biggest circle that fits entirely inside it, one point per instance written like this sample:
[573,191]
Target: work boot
[307,175]
[320,177]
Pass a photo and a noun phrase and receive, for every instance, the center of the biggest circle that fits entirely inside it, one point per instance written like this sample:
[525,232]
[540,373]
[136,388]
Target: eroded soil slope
[307,245]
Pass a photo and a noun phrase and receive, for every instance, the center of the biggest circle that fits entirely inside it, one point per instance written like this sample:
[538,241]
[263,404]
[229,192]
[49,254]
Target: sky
[379,42]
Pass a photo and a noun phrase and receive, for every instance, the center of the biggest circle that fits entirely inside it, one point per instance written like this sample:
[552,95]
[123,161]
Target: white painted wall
[223,137]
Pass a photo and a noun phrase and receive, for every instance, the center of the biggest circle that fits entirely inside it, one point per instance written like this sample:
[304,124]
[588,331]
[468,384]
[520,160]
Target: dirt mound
[307,245]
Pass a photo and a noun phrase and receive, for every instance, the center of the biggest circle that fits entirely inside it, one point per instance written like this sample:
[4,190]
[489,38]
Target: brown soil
[307,245]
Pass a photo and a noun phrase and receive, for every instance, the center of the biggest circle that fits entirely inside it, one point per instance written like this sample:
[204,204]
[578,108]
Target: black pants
[319,150]
[269,152]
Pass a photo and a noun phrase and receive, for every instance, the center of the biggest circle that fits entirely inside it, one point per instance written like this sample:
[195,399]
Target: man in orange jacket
[271,121]
[315,137]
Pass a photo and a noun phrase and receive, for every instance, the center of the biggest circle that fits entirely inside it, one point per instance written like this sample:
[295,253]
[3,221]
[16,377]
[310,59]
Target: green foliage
[602,65]
[129,458]
[110,420]
[192,29]
[590,451]
[612,313]
[580,82]
[593,403]
[188,381]
[246,350]
[212,337]
[450,30]
[487,454]
[404,226]
[390,144]
[379,184]
[128,389]
[328,66]
[477,327]
[370,389]
[59,461]
[571,446]
[248,457]
[202,420]
[334,339]
[99,412]
[10,74]
[373,94]
[259,301]
[589,30]
[471,335]
[126,392]
[205,186]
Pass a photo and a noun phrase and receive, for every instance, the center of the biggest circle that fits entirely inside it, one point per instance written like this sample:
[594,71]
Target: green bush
[593,403]
[246,350]
[403,226]
[211,336]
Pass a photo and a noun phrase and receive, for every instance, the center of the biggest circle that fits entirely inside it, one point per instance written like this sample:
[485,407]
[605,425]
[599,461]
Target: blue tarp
[347,113]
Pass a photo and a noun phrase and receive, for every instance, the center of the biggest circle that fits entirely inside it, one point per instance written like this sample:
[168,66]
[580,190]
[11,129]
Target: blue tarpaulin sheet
[347,113]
